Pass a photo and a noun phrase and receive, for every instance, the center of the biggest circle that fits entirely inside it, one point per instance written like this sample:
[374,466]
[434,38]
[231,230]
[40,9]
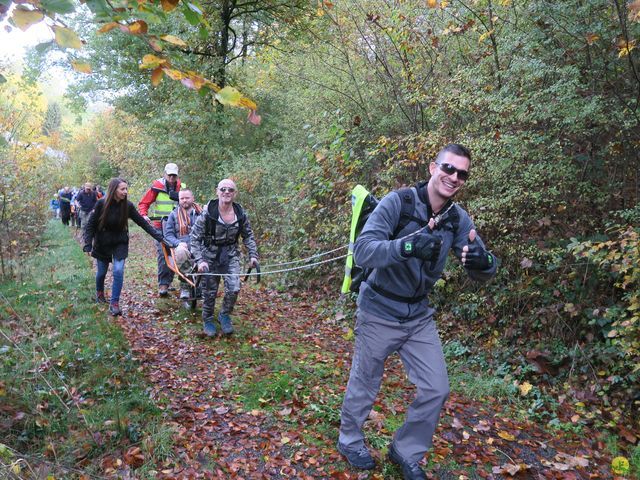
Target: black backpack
[407,208]
[212,217]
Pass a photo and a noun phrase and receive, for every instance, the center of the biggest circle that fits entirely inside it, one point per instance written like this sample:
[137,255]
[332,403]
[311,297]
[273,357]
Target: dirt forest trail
[264,403]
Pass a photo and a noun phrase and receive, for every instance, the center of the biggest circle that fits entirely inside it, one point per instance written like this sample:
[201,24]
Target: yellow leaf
[349,335]
[174,40]
[612,334]
[443,4]
[151,61]
[625,47]
[319,12]
[285,440]
[525,388]
[229,96]
[156,76]
[620,466]
[246,103]
[506,436]
[485,35]
[138,27]
[624,52]
[108,26]
[81,67]
[432,3]
[173,74]
[66,38]
[23,18]
[15,468]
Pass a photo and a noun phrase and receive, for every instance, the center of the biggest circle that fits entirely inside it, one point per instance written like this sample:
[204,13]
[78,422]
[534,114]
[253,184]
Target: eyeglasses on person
[227,189]
[450,170]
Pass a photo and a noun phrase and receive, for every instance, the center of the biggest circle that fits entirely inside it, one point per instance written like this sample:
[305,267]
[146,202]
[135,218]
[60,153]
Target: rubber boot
[225,323]
[209,327]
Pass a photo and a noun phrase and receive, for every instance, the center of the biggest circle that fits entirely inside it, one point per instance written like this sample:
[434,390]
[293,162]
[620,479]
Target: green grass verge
[69,388]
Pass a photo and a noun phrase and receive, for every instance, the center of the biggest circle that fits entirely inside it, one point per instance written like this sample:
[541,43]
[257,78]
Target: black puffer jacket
[112,241]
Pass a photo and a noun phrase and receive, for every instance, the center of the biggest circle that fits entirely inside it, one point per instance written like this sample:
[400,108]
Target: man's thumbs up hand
[474,256]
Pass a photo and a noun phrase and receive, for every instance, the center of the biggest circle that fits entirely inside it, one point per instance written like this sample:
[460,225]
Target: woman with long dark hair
[107,238]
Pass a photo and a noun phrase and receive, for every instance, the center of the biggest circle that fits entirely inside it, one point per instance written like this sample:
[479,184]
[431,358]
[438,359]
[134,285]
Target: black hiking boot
[357,457]
[410,470]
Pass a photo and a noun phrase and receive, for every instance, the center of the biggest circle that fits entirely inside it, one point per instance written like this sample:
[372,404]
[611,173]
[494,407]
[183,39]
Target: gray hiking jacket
[171,228]
[222,243]
[407,277]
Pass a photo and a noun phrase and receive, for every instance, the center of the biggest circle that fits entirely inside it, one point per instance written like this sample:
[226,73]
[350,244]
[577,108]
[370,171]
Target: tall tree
[52,119]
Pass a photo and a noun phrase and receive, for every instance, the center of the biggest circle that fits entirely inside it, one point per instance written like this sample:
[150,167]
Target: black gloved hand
[423,245]
[86,248]
[173,195]
[474,256]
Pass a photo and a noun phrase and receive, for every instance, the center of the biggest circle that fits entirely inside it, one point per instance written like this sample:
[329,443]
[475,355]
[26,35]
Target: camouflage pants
[231,288]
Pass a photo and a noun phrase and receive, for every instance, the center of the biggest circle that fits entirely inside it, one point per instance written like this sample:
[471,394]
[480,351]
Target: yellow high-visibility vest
[162,207]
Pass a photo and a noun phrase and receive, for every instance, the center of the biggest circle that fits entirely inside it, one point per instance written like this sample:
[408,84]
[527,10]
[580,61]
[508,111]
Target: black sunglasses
[227,189]
[450,170]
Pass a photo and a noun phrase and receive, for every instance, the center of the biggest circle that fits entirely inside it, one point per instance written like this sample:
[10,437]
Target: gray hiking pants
[418,344]
[231,288]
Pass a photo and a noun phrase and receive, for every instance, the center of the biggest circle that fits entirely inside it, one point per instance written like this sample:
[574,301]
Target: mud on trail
[264,403]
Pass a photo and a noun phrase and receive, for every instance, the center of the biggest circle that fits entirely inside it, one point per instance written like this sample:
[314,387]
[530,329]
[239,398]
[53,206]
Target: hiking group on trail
[73,205]
[205,238]
[402,251]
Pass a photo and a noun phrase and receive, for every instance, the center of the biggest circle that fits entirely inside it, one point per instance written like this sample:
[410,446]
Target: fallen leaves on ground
[192,379]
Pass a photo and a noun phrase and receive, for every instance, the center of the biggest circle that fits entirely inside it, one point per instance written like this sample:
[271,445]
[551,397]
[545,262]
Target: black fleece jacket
[112,241]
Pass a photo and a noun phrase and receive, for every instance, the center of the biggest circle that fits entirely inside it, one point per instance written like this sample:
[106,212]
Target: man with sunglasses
[394,314]
[214,246]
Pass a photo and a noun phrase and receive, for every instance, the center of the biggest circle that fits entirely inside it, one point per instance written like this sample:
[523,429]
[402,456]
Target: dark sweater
[87,201]
[112,241]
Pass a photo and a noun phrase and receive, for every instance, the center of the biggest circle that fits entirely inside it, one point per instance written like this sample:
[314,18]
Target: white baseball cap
[171,169]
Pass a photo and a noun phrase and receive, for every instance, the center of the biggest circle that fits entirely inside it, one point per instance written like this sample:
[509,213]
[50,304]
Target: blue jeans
[118,277]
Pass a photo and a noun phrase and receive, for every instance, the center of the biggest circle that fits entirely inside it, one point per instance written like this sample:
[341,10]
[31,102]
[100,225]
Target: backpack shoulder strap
[210,218]
[454,219]
[240,215]
[407,208]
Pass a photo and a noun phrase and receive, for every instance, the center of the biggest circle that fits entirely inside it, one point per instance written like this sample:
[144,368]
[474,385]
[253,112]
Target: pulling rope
[302,267]
[317,255]
[170,259]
